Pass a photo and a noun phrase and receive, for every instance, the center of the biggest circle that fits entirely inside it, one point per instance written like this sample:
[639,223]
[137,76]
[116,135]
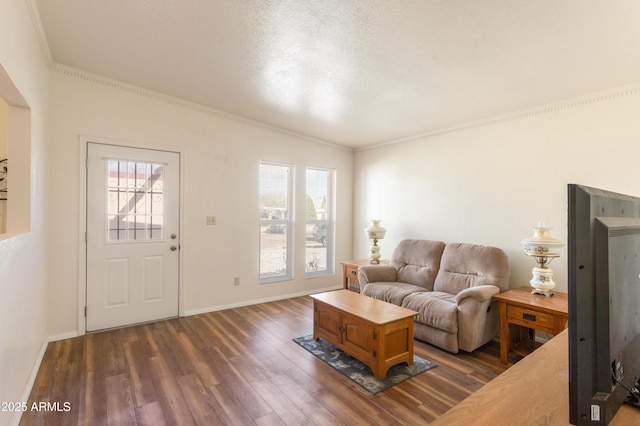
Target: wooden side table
[350,273]
[522,312]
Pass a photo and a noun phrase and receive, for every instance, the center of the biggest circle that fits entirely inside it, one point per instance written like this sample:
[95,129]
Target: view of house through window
[276,222]
[135,205]
[319,222]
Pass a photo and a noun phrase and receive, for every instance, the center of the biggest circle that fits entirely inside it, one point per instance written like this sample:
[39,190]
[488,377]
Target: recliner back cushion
[468,265]
[417,261]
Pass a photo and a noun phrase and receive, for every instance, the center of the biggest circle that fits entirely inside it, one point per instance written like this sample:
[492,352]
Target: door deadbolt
[174,236]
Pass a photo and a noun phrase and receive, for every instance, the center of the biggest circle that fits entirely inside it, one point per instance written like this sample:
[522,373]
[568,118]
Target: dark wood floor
[236,367]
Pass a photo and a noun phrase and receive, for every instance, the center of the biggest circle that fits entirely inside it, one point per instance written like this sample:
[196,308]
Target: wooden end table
[522,312]
[378,333]
[350,273]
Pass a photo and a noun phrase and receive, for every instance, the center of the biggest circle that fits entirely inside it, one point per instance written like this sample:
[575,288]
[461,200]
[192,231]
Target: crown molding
[572,103]
[181,103]
[34,12]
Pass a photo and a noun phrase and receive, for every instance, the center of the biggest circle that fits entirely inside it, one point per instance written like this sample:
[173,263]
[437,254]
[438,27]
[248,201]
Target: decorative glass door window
[135,201]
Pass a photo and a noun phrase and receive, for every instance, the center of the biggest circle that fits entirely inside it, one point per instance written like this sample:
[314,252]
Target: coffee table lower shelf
[377,333]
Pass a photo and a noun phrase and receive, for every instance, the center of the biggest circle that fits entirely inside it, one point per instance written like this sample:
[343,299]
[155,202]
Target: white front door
[133,244]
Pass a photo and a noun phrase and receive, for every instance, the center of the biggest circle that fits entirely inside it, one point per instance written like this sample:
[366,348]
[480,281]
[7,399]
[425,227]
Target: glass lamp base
[546,293]
[542,281]
[374,253]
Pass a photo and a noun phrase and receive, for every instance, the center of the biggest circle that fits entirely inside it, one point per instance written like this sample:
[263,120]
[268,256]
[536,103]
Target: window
[135,201]
[319,222]
[276,222]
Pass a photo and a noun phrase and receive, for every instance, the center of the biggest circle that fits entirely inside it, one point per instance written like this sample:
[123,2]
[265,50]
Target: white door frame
[82,219]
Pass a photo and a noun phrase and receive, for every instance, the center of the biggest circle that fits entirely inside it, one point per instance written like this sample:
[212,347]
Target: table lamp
[543,248]
[375,232]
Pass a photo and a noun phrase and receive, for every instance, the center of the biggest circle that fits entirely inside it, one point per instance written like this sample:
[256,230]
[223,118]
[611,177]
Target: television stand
[534,391]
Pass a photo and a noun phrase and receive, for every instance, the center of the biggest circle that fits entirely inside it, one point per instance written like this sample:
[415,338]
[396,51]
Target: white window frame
[329,221]
[287,221]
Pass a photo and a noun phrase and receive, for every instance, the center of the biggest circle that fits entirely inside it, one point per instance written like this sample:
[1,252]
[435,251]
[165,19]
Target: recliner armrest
[481,293]
[376,273]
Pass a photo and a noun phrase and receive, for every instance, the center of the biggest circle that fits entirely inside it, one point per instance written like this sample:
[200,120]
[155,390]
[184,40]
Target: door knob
[174,248]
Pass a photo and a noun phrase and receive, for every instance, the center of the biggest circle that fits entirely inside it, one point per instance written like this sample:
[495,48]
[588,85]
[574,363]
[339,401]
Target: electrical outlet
[211,220]
[236,280]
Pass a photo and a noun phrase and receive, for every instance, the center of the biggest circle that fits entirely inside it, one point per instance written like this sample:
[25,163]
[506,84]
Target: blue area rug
[359,372]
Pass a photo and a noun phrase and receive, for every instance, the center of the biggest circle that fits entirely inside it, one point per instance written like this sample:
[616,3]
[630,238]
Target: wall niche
[15,148]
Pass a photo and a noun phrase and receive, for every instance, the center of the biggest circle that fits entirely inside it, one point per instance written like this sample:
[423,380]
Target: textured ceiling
[354,73]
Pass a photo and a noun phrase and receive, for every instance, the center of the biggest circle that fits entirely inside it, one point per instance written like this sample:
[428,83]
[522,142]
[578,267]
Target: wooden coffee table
[377,333]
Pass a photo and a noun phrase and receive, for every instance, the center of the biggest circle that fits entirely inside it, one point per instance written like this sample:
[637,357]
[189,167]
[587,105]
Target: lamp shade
[542,243]
[375,231]
[543,248]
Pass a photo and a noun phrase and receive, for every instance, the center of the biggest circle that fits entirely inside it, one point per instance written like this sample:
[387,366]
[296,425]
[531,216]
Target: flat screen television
[604,303]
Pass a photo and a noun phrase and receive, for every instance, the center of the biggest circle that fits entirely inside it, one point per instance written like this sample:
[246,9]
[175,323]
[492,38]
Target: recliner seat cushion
[390,292]
[435,309]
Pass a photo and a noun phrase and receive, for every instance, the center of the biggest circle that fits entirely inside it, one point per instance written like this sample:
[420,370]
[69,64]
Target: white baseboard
[32,379]
[36,367]
[62,336]
[256,301]
[542,338]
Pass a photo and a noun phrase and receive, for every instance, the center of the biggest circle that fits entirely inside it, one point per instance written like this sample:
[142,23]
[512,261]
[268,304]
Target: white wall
[23,259]
[490,183]
[222,156]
